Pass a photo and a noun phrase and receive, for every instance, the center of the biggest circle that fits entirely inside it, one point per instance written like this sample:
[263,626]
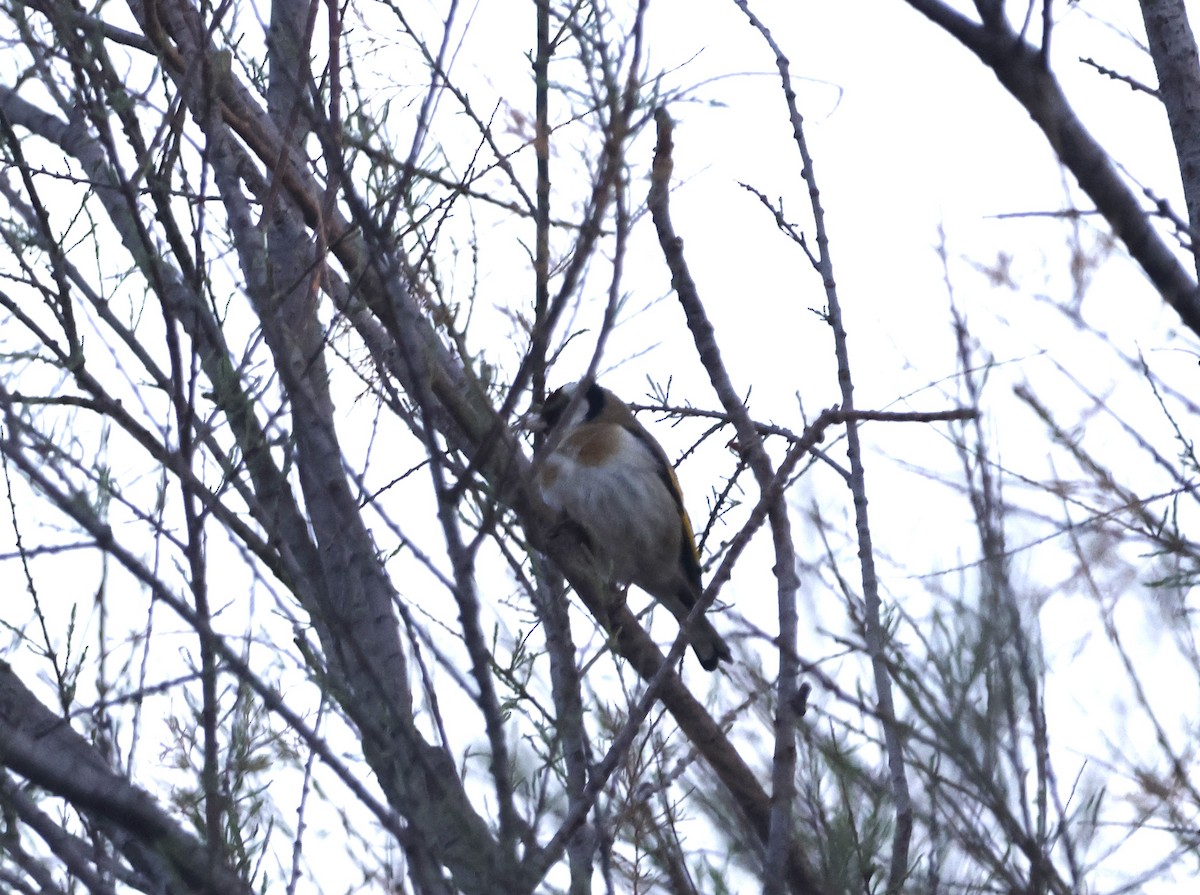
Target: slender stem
[875,635]
[783,864]
[541,148]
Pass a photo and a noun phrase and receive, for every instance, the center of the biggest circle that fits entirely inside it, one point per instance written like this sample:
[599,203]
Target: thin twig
[876,637]
[1134,83]
[783,861]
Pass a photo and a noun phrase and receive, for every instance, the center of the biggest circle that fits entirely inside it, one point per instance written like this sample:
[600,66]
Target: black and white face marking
[586,410]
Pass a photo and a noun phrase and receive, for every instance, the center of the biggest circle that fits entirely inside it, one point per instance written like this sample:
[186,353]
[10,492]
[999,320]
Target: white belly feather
[626,508]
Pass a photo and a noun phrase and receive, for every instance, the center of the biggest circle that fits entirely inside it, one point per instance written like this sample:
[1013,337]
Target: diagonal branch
[1022,69]
[47,751]
[783,859]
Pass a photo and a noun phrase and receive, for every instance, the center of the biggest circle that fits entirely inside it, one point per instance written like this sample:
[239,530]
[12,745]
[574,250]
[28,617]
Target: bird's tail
[709,646]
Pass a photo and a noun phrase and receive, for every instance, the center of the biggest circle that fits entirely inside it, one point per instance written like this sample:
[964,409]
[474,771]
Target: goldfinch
[608,475]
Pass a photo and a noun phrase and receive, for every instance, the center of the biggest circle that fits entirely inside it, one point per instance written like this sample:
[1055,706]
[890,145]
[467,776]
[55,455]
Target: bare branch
[783,859]
[1177,60]
[1021,69]
[43,748]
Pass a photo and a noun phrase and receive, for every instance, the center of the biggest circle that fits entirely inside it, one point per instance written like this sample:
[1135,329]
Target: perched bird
[608,475]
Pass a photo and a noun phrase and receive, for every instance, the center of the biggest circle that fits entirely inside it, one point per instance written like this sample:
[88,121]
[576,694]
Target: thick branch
[1173,47]
[43,748]
[1021,69]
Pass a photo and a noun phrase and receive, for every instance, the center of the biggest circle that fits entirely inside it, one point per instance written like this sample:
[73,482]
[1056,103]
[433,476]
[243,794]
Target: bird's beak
[532,421]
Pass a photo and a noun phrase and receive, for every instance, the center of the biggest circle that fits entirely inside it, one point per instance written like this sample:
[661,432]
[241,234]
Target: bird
[607,474]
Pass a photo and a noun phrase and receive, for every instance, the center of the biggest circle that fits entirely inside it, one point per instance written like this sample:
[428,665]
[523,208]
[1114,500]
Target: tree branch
[44,749]
[1021,68]
[876,636]
[1173,48]
[783,860]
